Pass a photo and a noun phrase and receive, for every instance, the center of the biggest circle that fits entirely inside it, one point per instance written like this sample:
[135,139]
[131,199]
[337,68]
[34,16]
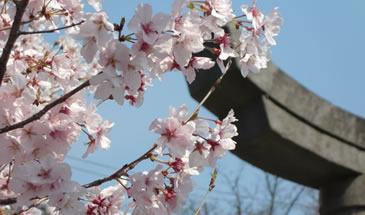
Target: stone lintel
[276,137]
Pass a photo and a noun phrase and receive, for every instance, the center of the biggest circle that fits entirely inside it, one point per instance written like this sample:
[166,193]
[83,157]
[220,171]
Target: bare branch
[235,188]
[211,90]
[272,187]
[294,200]
[21,5]
[49,106]
[211,187]
[122,171]
[52,30]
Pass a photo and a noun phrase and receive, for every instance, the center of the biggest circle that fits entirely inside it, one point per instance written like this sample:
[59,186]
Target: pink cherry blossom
[106,201]
[149,26]
[119,66]
[37,179]
[222,10]
[225,48]
[175,134]
[194,64]
[271,25]
[97,4]
[114,56]
[253,14]
[100,139]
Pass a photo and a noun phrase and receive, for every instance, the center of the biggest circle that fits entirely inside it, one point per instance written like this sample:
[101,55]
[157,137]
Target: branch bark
[8,201]
[49,106]
[21,6]
[122,171]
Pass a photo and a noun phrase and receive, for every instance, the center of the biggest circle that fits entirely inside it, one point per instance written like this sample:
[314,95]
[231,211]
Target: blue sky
[321,45]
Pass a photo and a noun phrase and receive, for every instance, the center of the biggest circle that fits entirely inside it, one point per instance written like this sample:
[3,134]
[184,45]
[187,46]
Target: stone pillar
[343,197]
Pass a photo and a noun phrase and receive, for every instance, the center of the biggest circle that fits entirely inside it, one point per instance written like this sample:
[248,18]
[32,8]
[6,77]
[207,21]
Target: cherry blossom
[175,134]
[94,126]
[226,48]
[97,4]
[253,14]
[149,26]
[222,10]
[106,201]
[196,63]
[271,25]
[45,86]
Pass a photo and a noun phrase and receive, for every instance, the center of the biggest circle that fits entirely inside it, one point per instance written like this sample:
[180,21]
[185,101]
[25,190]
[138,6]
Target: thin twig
[294,201]
[21,5]
[122,171]
[211,187]
[49,106]
[116,175]
[35,204]
[22,23]
[211,90]
[273,189]
[52,30]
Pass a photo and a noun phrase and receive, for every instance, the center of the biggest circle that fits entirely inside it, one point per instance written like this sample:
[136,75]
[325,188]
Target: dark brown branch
[52,30]
[8,201]
[49,106]
[122,171]
[21,5]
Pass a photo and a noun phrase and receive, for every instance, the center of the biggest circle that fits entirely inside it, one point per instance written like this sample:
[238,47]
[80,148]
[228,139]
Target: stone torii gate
[289,131]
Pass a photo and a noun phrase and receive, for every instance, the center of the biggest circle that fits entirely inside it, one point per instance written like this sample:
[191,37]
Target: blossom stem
[241,21]
[122,171]
[52,30]
[237,17]
[211,90]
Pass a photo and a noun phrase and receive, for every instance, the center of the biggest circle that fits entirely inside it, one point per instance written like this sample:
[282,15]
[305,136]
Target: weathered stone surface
[277,139]
[344,197]
[307,105]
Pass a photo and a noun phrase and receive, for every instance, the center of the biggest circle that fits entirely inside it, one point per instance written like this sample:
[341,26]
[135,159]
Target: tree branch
[8,201]
[211,187]
[272,187]
[52,30]
[49,106]
[21,6]
[294,201]
[211,90]
[122,171]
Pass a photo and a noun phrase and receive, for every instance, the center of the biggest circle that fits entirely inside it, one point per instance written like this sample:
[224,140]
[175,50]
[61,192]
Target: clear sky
[321,45]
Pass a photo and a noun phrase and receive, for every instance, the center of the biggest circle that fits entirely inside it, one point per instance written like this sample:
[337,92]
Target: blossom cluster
[94,54]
